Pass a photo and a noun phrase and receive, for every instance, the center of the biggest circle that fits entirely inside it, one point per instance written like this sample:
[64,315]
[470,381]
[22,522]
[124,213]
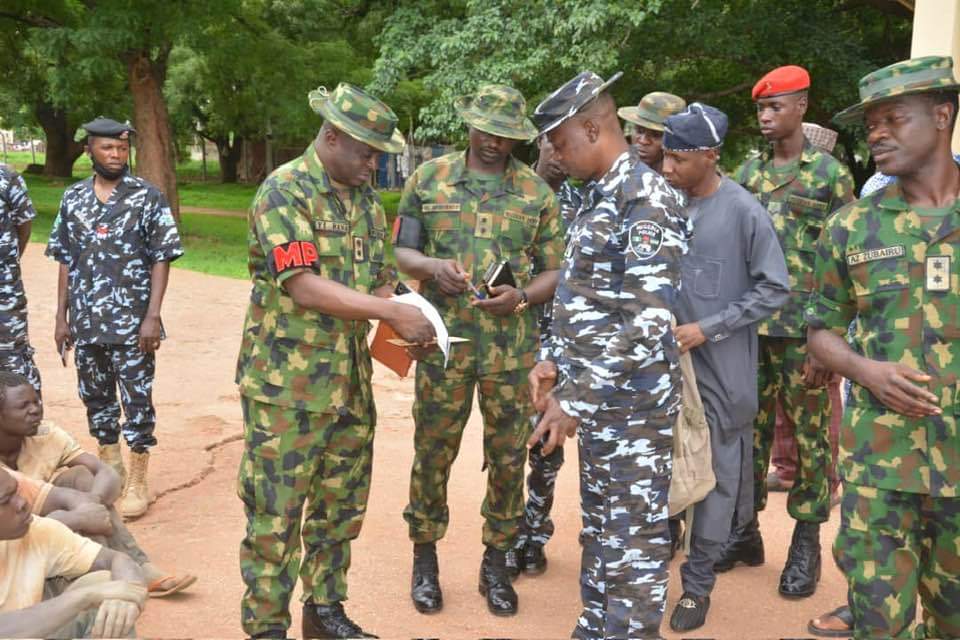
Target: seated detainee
[35,549]
[84,487]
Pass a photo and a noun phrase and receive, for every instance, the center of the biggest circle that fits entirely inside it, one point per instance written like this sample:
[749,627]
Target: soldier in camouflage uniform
[646,120]
[317,259]
[612,363]
[16,213]
[799,186]
[470,210]
[114,238]
[889,261]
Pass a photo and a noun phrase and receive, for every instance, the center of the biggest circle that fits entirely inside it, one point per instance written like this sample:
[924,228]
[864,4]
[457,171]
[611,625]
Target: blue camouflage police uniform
[109,249]
[618,374]
[16,210]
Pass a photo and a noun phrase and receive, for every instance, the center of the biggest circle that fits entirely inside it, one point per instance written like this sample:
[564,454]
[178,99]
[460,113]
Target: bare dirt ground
[197,522]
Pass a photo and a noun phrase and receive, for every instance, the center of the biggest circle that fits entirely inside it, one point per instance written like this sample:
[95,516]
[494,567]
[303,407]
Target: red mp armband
[291,255]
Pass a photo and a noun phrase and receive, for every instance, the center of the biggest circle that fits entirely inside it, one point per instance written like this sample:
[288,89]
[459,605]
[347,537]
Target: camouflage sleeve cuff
[166,255]
[823,313]
[565,393]
[58,253]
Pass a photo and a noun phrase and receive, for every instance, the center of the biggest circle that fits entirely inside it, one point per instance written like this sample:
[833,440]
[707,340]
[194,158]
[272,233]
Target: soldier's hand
[62,336]
[93,519]
[419,353]
[893,385]
[815,374]
[542,379]
[554,427]
[115,619]
[502,301]
[689,336]
[411,324]
[150,334]
[450,276]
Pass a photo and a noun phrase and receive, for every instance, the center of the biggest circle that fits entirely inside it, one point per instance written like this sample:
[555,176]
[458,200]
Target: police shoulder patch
[646,238]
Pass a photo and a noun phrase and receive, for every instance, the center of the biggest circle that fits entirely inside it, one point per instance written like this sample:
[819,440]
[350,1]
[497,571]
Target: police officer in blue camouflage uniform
[612,362]
[16,213]
[114,238]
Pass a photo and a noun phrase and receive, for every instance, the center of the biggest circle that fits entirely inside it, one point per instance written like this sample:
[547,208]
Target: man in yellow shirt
[34,549]
[46,453]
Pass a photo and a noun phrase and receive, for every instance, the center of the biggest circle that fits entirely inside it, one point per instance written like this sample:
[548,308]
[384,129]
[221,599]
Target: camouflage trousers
[295,459]
[21,361]
[440,414]
[101,368]
[625,466]
[780,379]
[536,526]
[893,546]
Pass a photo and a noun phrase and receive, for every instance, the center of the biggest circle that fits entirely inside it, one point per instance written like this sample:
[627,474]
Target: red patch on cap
[782,80]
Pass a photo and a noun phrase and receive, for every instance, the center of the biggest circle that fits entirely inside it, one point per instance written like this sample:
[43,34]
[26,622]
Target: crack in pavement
[206,471]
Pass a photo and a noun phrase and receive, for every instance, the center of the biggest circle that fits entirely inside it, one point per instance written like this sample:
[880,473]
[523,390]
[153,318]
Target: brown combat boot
[136,498]
[109,454]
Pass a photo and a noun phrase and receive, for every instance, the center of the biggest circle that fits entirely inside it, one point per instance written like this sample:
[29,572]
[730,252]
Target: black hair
[10,380]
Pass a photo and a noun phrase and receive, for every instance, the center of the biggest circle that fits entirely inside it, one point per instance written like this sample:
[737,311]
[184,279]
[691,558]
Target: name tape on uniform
[331,226]
[896,251]
[440,207]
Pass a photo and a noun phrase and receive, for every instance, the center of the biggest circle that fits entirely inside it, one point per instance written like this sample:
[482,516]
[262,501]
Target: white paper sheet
[414,299]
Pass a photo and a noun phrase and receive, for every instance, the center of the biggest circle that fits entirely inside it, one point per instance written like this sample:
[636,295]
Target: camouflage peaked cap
[653,109]
[569,99]
[498,110]
[359,115]
[916,75]
[820,137]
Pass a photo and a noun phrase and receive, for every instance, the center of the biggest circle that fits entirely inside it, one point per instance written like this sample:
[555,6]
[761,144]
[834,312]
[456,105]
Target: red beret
[782,80]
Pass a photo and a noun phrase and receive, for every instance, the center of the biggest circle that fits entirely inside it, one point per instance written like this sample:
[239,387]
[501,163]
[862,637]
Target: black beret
[107,128]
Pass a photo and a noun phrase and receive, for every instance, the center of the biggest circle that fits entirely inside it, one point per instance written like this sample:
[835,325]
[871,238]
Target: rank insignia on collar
[937,270]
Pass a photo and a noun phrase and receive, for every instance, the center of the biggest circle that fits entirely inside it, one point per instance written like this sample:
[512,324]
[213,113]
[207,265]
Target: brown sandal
[169,585]
[843,614]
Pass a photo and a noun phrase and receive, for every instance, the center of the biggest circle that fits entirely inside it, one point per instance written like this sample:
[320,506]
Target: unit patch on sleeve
[646,238]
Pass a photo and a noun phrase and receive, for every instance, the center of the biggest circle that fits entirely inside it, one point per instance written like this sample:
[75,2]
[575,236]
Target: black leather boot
[329,621]
[801,573]
[495,583]
[534,559]
[745,545]
[425,584]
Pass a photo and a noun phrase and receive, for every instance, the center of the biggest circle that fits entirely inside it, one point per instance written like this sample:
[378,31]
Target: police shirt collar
[610,181]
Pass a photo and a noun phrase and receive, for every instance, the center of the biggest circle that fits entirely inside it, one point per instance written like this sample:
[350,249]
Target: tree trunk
[229,159]
[62,149]
[154,140]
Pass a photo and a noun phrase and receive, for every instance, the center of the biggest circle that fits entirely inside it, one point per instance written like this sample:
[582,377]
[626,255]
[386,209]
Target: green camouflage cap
[917,75]
[498,110]
[653,109]
[359,115]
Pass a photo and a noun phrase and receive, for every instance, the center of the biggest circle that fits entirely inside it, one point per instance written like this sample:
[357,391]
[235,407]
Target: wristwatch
[523,304]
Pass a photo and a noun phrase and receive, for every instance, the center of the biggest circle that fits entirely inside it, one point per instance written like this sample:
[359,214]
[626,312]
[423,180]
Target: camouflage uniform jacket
[799,203]
[297,357]
[109,250]
[519,223]
[15,210]
[611,337]
[880,263]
